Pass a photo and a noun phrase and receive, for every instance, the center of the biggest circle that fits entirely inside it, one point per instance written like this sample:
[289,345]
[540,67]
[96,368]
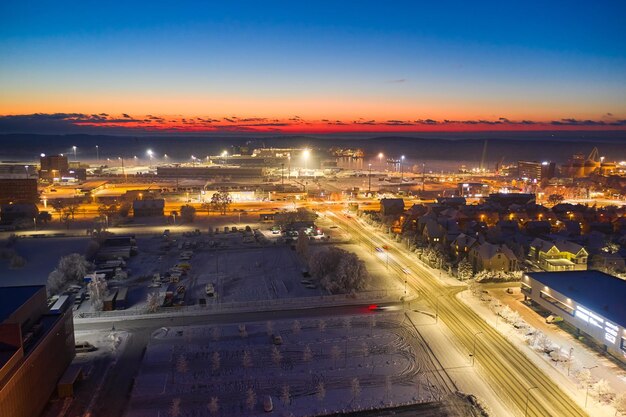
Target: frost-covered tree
[215,361]
[269,327]
[365,349]
[347,323]
[277,357]
[246,360]
[584,376]
[250,399]
[355,388]
[296,327]
[307,354]
[465,270]
[620,403]
[182,366]
[320,391]
[321,325]
[602,390]
[70,270]
[175,408]
[302,245]
[338,270]
[214,405]
[285,395]
[216,333]
[335,353]
[153,302]
[98,289]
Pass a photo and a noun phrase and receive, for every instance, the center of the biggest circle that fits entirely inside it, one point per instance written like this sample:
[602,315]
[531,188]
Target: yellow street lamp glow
[306,153]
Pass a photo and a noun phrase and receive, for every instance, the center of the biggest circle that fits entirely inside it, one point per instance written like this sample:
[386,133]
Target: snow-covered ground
[565,372]
[324,365]
[42,256]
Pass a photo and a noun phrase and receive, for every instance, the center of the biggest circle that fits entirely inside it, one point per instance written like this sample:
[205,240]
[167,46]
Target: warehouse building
[591,301]
[36,347]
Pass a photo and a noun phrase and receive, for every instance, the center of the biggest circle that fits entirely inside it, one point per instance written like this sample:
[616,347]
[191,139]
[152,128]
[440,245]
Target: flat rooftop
[12,298]
[602,293]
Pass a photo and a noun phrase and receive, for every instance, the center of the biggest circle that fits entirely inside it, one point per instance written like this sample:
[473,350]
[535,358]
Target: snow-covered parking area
[307,367]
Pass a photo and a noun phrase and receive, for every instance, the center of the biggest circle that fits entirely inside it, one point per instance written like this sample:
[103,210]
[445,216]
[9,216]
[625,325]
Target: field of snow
[321,366]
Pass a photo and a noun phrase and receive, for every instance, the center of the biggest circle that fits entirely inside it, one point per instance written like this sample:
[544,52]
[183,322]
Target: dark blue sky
[382,60]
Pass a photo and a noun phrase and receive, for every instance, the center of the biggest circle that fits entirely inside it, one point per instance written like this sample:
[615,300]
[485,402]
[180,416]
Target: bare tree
[307,354]
[296,327]
[215,361]
[250,399]
[277,357]
[285,395]
[320,391]
[214,405]
[220,201]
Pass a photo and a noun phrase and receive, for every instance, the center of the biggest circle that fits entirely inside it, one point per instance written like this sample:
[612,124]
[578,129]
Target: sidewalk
[582,356]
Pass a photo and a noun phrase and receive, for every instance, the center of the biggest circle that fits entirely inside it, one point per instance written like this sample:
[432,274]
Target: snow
[582,356]
[370,360]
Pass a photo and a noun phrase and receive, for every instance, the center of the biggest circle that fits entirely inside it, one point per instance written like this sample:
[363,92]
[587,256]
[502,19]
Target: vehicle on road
[268,405]
[210,290]
[84,347]
[277,339]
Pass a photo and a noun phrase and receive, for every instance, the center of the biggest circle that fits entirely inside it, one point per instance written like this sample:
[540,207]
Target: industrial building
[590,301]
[36,346]
[53,166]
[207,172]
[18,190]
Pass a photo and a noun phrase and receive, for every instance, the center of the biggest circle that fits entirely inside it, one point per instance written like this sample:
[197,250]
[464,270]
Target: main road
[512,375]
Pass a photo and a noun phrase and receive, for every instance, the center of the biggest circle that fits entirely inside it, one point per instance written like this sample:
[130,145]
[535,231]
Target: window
[623,344]
[559,304]
[525,288]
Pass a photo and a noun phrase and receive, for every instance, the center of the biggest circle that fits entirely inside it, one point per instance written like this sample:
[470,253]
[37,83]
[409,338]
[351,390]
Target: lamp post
[150,153]
[380,159]
[437,308]
[369,179]
[527,398]
[473,355]
[289,167]
[401,169]
[587,384]
[97,153]
[123,170]
[74,149]
[225,156]
[305,155]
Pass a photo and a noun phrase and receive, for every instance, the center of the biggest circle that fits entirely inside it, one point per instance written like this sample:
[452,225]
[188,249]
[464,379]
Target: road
[511,374]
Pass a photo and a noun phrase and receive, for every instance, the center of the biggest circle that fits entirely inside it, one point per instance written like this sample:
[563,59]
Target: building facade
[558,256]
[36,347]
[591,301]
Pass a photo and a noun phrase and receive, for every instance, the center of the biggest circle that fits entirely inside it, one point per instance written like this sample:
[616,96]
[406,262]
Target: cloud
[64,123]
[397,81]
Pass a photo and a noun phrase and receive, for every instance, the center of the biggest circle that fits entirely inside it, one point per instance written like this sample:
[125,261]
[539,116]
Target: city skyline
[324,69]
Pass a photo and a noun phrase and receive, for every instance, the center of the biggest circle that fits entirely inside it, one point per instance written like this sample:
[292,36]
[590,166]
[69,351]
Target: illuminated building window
[569,310]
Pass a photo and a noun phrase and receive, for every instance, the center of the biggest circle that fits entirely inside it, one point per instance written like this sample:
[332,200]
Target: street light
[437,308]
[473,355]
[305,155]
[225,156]
[527,398]
[380,159]
[401,170]
[369,179]
[74,149]
[587,384]
[123,170]
[97,153]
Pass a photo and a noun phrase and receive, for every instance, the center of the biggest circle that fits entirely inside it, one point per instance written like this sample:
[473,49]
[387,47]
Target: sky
[311,67]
